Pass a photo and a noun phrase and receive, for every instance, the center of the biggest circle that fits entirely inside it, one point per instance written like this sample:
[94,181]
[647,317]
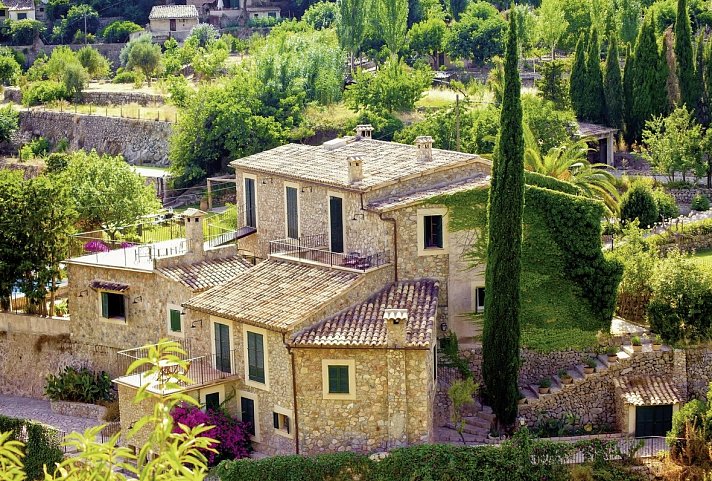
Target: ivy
[42,444]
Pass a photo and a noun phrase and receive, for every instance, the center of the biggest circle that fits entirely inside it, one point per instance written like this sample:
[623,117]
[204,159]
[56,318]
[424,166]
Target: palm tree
[569,162]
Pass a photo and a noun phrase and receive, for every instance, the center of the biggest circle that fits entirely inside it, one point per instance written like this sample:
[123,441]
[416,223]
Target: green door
[652,420]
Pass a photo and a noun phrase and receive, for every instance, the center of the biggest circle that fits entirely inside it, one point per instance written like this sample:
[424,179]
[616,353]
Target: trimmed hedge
[42,444]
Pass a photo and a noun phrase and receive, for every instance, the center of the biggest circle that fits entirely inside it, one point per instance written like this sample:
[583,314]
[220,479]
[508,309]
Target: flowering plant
[96,246]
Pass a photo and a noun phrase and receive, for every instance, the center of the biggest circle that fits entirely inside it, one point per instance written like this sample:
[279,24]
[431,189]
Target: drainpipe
[294,394]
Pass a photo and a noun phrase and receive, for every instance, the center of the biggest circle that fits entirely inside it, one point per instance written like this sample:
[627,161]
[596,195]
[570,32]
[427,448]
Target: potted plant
[657,342]
[544,385]
[494,434]
[612,353]
[637,343]
[565,376]
[589,366]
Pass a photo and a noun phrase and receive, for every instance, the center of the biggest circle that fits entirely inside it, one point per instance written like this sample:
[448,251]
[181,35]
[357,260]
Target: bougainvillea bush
[232,434]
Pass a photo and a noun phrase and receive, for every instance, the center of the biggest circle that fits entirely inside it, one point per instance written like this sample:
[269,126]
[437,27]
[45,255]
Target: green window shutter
[255,355]
[438,231]
[275,420]
[286,423]
[175,320]
[105,305]
[339,379]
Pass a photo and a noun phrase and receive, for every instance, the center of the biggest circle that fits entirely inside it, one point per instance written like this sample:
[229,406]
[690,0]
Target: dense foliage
[42,448]
[79,385]
[639,203]
[119,31]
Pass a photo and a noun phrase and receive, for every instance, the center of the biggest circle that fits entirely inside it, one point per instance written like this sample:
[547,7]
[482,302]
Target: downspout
[294,394]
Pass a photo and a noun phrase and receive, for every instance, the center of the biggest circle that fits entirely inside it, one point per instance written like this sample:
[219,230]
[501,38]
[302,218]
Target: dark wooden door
[653,420]
[247,406]
[173,26]
[336,218]
[222,347]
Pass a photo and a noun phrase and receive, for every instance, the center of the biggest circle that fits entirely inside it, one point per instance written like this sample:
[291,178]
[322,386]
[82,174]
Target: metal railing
[313,249]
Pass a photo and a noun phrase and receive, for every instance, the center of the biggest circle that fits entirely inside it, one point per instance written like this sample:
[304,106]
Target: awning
[98,284]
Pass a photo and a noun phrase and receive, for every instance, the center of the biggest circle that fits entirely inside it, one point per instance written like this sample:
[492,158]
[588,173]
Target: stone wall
[685,196]
[699,372]
[139,141]
[80,410]
[109,50]
[98,97]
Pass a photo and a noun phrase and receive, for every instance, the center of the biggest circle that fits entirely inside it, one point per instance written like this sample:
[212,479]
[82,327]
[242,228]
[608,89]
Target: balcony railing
[313,249]
[201,370]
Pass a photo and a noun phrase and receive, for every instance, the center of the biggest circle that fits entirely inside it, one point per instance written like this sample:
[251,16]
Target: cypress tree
[684,60]
[500,340]
[701,108]
[628,95]
[613,87]
[577,81]
[595,110]
[707,86]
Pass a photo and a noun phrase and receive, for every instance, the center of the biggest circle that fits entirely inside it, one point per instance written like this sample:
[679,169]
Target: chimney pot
[365,131]
[355,164]
[396,326]
[425,147]
[194,232]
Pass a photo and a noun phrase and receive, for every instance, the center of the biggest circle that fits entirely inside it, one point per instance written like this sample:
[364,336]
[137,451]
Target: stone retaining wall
[699,372]
[79,410]
[94,97]
[685,196]
[109,50]
[139,141]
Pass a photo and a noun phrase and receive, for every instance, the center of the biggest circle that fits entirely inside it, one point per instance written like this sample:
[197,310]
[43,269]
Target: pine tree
[595,110]
[628,94]
[613,87]
[577,81]
[501,334]
[684,60]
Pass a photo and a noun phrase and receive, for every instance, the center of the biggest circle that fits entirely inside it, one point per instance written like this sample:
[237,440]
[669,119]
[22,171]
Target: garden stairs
[476,429]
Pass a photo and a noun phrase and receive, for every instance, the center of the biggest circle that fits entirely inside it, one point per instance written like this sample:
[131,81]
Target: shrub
[9,121]
[9,70]
[96,64]
[57,162]
[635,340]
[232,435]
[24,32]
[700,202]
[79,385]
[203,34]
[43,92]
[126,77]
[667,207]
[179,90]
[119,31]
[38,147]
[545,382]
[638,203]
[264,22]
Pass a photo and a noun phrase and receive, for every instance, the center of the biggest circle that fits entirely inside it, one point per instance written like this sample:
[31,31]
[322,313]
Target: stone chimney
[396,321]
[194,232]
[425,147]
[355,163]
[365,131]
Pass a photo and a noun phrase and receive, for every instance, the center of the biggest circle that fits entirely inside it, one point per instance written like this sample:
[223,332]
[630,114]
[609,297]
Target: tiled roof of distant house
[594,130]
[19,4]
[383,162]
[362,325]
[203,275]
[274,294]
[649,390]
[173,11]
[410,198]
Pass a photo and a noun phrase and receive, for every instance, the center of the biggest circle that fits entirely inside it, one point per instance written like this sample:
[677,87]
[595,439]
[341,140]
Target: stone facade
[139,141]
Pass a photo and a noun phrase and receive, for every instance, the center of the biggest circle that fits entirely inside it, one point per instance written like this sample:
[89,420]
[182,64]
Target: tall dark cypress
[702,106]
[628,95]
[501,334]
[595,110]
[577,81]
[613,87]
[684,59]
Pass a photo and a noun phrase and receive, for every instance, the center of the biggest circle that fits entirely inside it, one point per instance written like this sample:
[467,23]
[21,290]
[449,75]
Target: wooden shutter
[275,420]
[250,211]
[338,379]
[292,213]
[286,423]
[336,219]
[255,354]
[247,406]
[175,320]
[105,304]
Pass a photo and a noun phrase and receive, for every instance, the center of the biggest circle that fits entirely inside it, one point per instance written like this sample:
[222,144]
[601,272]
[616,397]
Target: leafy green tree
[577,81]
[126,49]
[629,12]
[12,235]
[613,87]
[145,57]
[551,127]
[9,122]
[552,85]
[456,7]
[203,34]
[392,20]
[595,102]
[96,65]
[119,31]
[25,32]
[9,70]
[107,192]
[684,59]
[551,24]
[427,38]
[322,15]
[77,17]
[352,26]
[478,35]
[628,119]
[501,334]
[674,144]
[638,203]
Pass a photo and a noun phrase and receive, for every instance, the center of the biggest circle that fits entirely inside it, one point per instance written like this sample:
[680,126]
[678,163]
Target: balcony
[202,370]
[313,249]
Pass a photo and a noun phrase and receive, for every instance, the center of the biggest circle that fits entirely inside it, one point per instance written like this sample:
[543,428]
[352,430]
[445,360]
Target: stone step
[487,415]
[600,366]
[528,393]
[486,409]
[450,435]
[476,430]
[478,422]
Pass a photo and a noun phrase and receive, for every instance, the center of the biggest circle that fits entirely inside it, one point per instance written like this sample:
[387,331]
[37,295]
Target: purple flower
[96,246]
[126,245]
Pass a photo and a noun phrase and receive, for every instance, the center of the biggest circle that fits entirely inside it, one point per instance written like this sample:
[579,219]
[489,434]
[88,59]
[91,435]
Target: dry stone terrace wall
[109,50]
[14,94]
[685,196]
[139,141]
[699,372]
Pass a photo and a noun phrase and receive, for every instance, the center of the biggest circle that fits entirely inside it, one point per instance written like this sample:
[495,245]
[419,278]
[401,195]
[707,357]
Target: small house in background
[17,10]
[601,140]
[172,21]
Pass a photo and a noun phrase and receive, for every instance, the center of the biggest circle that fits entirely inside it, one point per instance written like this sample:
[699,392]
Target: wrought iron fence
[313,249]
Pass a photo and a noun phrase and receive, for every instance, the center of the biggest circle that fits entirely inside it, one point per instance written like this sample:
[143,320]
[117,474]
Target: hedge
[42,444]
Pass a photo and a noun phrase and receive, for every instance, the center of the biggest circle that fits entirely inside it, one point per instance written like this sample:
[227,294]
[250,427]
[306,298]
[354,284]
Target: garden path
[39,410]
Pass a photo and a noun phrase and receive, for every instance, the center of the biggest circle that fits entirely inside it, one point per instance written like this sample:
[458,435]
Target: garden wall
[109,50]
[685,196]
[139,141]
[98,97]
[699,372]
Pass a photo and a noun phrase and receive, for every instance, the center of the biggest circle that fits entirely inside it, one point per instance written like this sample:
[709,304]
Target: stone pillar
[679,370]
[194,233]
[610,148]
[397,399]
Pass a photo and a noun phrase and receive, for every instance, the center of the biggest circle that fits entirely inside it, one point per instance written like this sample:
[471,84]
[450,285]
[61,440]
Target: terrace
[314,249]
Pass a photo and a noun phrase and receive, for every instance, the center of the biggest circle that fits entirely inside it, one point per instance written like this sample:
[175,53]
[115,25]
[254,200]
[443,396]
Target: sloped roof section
[411,198]
[173,11]
[19,4]
[363,325]
[648,390]
[383,162]
[203,275]
[274,294]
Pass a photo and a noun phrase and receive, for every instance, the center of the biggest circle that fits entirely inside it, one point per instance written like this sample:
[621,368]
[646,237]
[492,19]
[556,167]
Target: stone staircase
[478,422]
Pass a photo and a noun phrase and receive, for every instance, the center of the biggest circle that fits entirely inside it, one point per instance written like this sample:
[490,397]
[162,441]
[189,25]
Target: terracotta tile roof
[363,325]
[383,162]
[19,4]
[648,390]
[594,130]
[203,275]
[415,197]
[173,11]
[98,284]
[274,294]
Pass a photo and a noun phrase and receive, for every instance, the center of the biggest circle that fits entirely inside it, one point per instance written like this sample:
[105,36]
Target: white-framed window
[211,398]
[175,320]
[282,422]
[249,198]
[113,306]
[249,411]
[338,378]
[432,231]
[291,210]
[479,299]
[256,358]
